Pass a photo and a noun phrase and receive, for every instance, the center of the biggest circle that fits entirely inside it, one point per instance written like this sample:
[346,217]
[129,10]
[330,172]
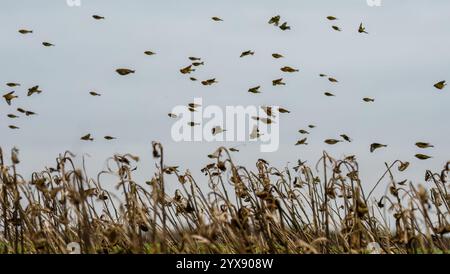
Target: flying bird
[254,90]
[329,94]
[217,19]
[12,85]
[247,53]
[187,70]
[34,90]
[149,53]
[424,145]
[217,130]
[98,17]
[275,20]
[336,28]
[13,127]
[376,146]
[332,141]
[440,85]
[277,55]
[362,29]
[93,93]
[278,82]
[346,138]
[124,71]
[331,18]
[285,26]
[302,142]
[109,138]
[422,156]
[368,100]
[302,131]
[288,69]
[9,97]
[12,116]
[87,137]
[25,31]
[209,82]
[47,44]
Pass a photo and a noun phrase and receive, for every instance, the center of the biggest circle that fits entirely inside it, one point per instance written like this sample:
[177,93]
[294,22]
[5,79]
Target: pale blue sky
[406,52]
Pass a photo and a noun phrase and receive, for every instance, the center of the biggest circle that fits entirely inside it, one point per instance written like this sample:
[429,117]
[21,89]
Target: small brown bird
[124,71]
[193,79]
[13,127]
[25,31]
[247,53]
[336,28]
[255,134]
[332,141]
[440,85]
[11,85]
[187,70]
[21,110]
[368,100]
[232,149]
[254,90]
[12,116]
[109,138]
[285,26]
[9,97]
[98,17]
[346,138]
[93,93]
[302,142]
[375,146]
[30,113]
[329,94]
[209,82]
[217,19]
[275,20]
[288,69]
[332,80]
[283,110]
[424,145]
[362,29]
[87,137]
[278,82]
[196,64]
[277,55]
[47,44]
[195,58]
[34,90]
[149,53]
[311,126]
[331,18]
[422,156]
[217,130]
[302,131]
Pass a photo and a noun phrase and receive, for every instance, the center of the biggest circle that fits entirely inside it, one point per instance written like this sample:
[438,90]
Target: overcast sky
[405,53]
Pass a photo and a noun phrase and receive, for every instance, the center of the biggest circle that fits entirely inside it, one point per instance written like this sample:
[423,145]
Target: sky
[397,63]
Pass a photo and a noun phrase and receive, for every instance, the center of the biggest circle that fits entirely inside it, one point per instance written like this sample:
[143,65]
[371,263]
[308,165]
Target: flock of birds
[11,96]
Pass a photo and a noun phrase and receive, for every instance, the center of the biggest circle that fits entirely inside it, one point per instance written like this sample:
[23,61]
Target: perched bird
[217,19]
[336,28]
[47,44]
[124,71]
[25,31]
[278,82]
[93,93]
[34,90]
[98,17]
[424,145]
[87,137]
[12,116]
[149,53]
[332,141]
[362,29]
[285,26]
[13,127]
[288,69]
[172,115]
[302,142]
[247,53]
[217,130]
[302,131]
[331,18]
[440,85]
[275,20]
[277,55]
[368,100]
[375,146]
[346,138]
[254,89]
[209,82]
[11,85]
[422,156]
[187,70]
[109,138]
[9,97]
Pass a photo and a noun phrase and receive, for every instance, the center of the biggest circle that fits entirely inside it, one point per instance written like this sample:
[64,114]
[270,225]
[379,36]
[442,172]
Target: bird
[30,113]
[332,141]
[124,71]
[275,20]
[277,55]
[346,138]
[109,138]
[311,126]
[376,146]
[302,131]
[255,133]
[302,142]
[424,145]
[217,130]
[329,94]
[333,80]
[285,26]
[98,17]
[193,79]
[172,115]
[194,105]
[196,64]
[368,100]
[149,53]
[254,89]
[422,156]
[33,90]
[440,85]
[217,19]
[12,85]
[93,93]
[278,82]
[209,82]
[336,28]
[331,18]
[192,124]
[187,70]
[288,69]
[87,137]
[48,44]
[362,29]
[322,75]
[283,110]
[13,127]
[25,31]
[267,121]
[195,58]
[247,53]
[12,116]
[9,97]
[21,110]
